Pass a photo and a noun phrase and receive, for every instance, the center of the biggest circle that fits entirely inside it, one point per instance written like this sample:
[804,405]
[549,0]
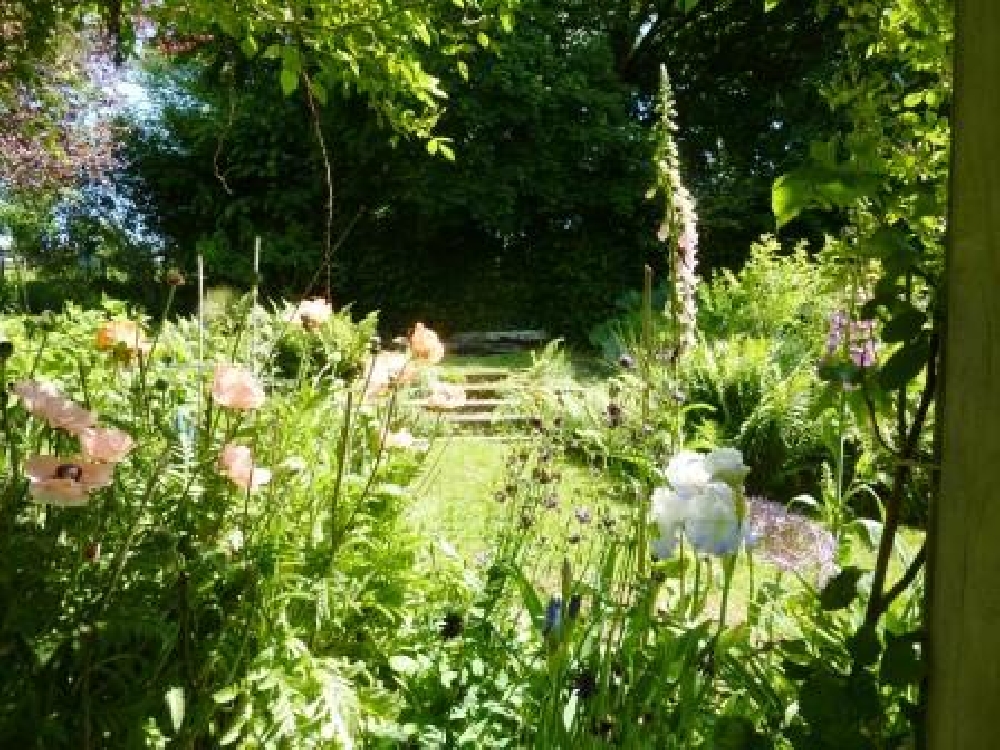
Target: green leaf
[734,733]
[529,595]
[484,41]
[318,91]
[289,82]
[249,47]
[291,59]
[687,5]
[905,364]
[889,244]
[790,195]
[902,664]
[842,590]
[463,70]
[569,711]
[824,153]
[770,5]
[175,706]
[864,647]
[905,325]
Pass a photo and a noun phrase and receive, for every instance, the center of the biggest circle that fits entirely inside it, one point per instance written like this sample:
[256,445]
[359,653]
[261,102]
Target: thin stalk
[841,461]
[728,568]
[201,333]
[343,451]
[38,353]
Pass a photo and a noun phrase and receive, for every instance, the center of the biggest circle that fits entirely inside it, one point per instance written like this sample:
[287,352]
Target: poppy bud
[173,277]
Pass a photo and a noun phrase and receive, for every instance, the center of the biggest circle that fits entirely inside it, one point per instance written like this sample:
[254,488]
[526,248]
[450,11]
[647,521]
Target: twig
[876,430]
[327,166]
[908,577]
[878,603]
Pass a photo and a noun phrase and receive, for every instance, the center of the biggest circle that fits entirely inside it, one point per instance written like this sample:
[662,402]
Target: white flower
[669,509]
[404,439]
[704,499]
[293,464]
[233,541]
[713,525]
[687,470]
[726,465]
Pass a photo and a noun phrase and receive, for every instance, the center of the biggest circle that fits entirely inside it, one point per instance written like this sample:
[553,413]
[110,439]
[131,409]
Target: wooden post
[964,566]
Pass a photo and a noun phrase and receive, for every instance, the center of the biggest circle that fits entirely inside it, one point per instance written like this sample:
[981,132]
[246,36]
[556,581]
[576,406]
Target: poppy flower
[425,345]
[388,369]
[44,401]
[122,333]
[105,444]
[312,313]
[64,482]
[236,388]
[236,464]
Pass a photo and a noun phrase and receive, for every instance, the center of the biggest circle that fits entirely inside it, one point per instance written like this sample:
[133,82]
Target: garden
[495,374]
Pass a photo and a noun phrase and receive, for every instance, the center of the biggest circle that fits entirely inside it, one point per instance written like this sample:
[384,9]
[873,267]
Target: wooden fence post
[964,565]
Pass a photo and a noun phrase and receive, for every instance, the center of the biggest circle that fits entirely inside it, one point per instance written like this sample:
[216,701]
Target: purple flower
[851,339]
[789,541]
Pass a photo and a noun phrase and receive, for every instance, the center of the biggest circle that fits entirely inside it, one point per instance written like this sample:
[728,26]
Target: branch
[877,603]
[876,430]
[908,577]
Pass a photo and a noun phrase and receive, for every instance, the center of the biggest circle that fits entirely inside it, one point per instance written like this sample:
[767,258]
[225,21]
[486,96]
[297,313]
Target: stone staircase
[492,394]
[491,401]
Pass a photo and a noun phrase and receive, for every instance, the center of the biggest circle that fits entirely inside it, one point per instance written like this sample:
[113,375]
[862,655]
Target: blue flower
[553,616]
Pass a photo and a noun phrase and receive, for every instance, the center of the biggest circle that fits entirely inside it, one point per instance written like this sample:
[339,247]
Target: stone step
[496,342]
[490,391]
[487,375]
[486,405]
[486,420]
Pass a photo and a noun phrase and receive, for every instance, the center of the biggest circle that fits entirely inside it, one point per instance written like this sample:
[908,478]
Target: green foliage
[338,347]
[776,295]
[174,607]
[772,411]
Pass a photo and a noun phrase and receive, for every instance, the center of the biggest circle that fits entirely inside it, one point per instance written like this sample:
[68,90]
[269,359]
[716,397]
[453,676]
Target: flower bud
[175,278]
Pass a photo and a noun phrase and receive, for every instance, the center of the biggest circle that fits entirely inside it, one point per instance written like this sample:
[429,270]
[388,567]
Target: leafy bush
[775,295]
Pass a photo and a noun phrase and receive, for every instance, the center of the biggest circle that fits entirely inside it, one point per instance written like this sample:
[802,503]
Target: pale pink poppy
[312,313]
[236,388]
[236,464]
[425,345]
[64,414]
[404,439]
[105,444]
[387,369]
[65,482]
[36,395]
[446,396]
[44,401]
